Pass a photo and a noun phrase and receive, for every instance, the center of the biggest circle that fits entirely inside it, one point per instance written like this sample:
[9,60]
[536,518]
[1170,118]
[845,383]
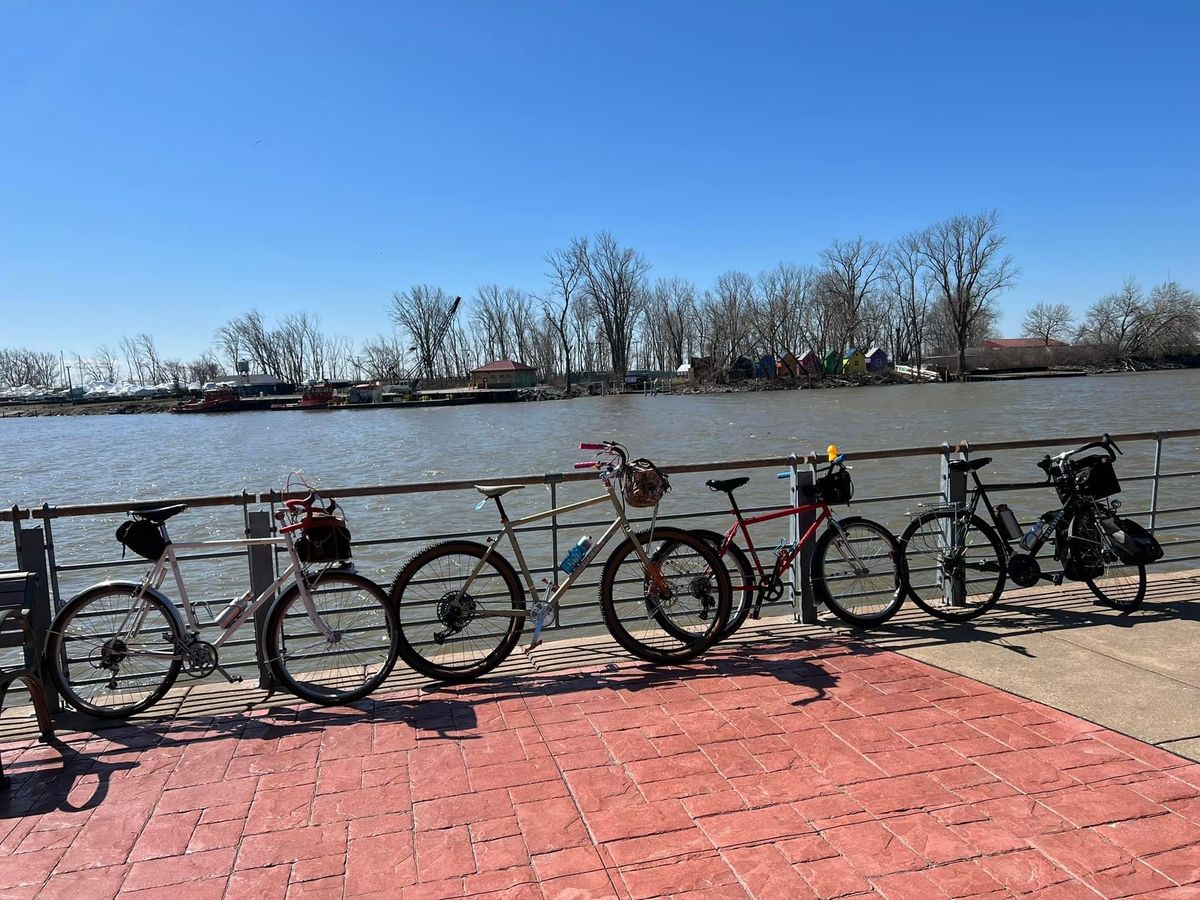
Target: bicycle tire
[666,621]
[913,542]
[742,581]
[1106,588]
[414,598]
[887,580]
[68,670]
[363,644]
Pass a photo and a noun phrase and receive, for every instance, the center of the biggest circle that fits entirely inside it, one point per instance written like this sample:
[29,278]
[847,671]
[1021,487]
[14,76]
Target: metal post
[1158,442]
[553,479]
[51,561]
[33,559]
[954,492]
[804,605]
[16,524]
[261,558]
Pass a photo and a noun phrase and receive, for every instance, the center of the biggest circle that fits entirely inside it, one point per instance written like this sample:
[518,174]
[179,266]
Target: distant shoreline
[552,392]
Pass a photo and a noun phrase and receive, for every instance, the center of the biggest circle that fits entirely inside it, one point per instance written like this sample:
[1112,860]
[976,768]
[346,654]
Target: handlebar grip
[593,464]
[590,446]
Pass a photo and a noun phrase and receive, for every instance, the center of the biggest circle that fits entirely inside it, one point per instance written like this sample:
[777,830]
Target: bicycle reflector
[832,451]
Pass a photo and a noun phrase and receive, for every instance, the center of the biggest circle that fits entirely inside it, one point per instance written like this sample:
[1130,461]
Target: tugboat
[315,396]
[221,398]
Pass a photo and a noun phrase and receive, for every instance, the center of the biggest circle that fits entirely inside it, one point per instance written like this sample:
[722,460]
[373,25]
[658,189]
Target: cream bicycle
[664,594]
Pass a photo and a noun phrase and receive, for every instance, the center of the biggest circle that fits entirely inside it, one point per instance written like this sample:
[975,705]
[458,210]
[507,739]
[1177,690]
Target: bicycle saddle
[969,465]
[497,490]
[158,514]
[728,485]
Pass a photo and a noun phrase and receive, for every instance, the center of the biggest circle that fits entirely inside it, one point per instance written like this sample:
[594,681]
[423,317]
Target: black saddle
[158,514]
[969,465]
[728,485]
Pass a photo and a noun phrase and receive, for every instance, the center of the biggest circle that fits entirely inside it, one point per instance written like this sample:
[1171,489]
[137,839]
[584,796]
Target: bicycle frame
[169,562]
[787,558]
[508,528]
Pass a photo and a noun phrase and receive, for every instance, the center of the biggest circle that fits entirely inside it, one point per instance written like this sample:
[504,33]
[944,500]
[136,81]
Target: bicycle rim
[955,565]
[854,572]
[342,654]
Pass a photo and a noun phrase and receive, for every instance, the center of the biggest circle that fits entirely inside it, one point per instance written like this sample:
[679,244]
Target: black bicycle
[956,565]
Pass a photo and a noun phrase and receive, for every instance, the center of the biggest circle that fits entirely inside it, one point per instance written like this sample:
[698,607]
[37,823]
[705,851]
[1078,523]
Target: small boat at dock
[222,398]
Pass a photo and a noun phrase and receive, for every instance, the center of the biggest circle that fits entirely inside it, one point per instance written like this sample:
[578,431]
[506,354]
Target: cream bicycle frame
[508,527]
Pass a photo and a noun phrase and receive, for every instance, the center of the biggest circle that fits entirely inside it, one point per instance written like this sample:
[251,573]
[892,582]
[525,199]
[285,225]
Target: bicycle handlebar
[590,464]
[591,446]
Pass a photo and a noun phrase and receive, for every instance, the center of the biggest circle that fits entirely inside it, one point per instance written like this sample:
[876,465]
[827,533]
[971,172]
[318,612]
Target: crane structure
[405,383]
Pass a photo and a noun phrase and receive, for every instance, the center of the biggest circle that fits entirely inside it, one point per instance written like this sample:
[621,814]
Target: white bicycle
[330,636]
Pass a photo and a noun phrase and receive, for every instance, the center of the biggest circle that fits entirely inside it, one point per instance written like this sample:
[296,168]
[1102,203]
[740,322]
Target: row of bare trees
[1128,323]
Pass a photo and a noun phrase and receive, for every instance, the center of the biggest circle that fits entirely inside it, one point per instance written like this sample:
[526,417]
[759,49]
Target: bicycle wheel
[854,571]
[741,578]
[674,613]
[351,660]
[113,653]
[1121,585]
[453,627]
[943,548]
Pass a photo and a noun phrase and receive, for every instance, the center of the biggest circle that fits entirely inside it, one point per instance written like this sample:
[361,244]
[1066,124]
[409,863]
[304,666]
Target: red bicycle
[855,562]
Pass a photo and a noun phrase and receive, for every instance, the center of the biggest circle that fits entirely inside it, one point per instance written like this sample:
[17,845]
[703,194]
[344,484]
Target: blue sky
[166,166]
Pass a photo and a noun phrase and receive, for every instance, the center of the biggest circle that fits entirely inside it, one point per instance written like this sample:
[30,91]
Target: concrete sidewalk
[780,767]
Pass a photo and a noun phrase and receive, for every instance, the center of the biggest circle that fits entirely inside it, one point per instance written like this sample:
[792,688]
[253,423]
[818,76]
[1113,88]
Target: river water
[66,460]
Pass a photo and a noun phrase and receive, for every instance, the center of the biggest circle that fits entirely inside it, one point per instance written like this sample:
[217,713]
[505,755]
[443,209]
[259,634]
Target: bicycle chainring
[1024,570]
[201,659]
[772,589]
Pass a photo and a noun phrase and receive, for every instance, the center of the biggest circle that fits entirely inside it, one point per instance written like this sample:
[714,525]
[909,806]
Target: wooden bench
[17,591]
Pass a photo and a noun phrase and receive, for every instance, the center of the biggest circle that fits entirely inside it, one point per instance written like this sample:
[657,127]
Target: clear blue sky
[165,166]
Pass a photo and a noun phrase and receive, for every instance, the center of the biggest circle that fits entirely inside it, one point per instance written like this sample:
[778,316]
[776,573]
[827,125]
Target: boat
[315,396]
[221,398]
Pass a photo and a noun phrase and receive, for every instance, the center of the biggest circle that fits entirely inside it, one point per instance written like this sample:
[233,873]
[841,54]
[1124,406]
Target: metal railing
[35,550]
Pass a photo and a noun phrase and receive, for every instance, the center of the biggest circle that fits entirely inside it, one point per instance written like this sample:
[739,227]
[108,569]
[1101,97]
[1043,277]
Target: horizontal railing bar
[552,478]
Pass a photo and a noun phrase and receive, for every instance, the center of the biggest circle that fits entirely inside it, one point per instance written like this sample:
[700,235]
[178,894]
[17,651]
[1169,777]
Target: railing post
[804,605]
[16,524]
[51,561]
[1158,442]
[553,479]
[261,559]
[954,491]
[32,558]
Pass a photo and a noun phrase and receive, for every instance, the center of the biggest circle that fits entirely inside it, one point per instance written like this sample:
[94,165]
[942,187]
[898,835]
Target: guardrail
[35,550]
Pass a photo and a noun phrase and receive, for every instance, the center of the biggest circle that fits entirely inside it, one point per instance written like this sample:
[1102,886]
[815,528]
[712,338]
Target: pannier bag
[1131,542]
[143,537]
[834,487]
[1094,477]
[645,483]
[326,540]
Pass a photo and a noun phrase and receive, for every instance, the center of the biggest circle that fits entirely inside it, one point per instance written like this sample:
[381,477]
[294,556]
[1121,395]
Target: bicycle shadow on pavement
[80,783]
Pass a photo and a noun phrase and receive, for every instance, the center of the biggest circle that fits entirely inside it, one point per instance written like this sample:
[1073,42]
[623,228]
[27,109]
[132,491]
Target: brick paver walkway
[785,770]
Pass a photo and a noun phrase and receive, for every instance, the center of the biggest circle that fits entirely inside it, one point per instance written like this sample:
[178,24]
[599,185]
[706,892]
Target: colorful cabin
[810,364]
[877,360]
[833,362]
[765,367]
[854,362]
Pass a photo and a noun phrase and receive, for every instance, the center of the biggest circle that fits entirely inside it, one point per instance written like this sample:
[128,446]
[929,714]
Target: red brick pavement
[795,770]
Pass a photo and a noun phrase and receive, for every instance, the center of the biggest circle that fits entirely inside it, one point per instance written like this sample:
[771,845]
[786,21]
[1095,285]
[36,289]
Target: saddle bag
[326,540]
[143,537]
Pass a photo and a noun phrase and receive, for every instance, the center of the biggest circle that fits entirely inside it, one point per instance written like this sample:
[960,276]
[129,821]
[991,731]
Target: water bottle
[1008,522]
[1041,530]
[230,614]
[572,560]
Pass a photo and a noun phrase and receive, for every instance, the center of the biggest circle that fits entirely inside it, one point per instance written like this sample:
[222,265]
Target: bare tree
[1113,321]
[421,311]
[615,282]
[671,308]
[905,283]
[20,366]
[850,268]
[565,276]
[204,368]
[1049,322]
[963,256]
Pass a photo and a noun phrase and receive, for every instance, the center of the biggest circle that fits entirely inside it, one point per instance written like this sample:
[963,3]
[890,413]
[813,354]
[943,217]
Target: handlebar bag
[325,540]
[143,537]
[645,483]
[1131,542]
[1095,477]
[834,487]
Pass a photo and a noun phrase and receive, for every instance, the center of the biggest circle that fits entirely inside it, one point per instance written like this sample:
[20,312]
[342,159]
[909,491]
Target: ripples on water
[64,460]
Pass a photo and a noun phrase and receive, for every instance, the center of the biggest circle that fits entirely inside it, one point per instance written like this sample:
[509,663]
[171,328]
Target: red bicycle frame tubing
[742,525]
